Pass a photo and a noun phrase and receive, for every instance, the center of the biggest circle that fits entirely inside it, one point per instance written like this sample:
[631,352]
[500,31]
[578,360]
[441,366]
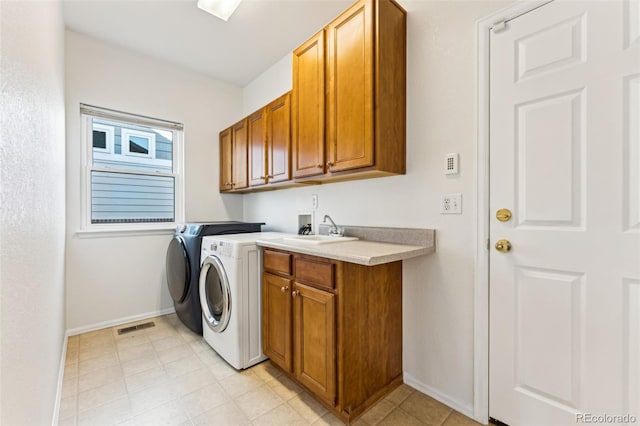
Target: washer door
[178,269]
[215,294]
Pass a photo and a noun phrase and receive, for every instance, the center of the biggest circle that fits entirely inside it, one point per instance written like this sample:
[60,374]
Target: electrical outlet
[314,201]
[451,203]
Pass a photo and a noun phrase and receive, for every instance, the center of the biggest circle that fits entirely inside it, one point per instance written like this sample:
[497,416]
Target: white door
[565,160]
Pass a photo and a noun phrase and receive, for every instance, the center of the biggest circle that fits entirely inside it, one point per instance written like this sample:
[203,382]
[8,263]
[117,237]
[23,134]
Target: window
[133,171]
[103,137]
[138,143]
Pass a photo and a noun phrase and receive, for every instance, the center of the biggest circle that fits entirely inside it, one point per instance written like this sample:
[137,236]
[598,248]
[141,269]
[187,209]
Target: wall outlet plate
[451,203]
[314,201]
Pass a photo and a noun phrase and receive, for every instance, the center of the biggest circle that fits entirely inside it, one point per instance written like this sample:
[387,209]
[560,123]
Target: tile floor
[167,375]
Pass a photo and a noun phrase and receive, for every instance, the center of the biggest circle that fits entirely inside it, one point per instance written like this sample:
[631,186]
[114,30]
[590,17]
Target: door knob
[294,293]
[503,246]
[503,215]
[284,289]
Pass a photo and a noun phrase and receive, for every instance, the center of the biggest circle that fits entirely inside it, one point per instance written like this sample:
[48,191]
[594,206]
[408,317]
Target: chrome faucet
[335,230]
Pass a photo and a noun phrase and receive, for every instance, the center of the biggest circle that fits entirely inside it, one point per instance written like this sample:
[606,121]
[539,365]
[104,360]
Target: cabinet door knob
[261,177]
[294,293]
[270,176]
[227,184]
[284,289]
[319,166]
[329,164]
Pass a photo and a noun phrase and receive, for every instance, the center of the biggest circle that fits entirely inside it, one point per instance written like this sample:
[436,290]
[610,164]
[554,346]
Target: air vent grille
[136,327]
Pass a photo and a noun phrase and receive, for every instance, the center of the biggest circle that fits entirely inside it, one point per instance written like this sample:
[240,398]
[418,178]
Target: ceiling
[257,35]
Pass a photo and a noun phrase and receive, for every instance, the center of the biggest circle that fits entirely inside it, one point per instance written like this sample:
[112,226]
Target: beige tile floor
[167,375]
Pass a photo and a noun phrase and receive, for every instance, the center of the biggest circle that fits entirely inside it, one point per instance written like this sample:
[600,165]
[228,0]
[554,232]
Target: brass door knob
[503,215]
[284,289]
[503,246]
[294,293]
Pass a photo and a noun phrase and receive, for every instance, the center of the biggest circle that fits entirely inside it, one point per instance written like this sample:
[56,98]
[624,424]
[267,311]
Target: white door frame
[481,303]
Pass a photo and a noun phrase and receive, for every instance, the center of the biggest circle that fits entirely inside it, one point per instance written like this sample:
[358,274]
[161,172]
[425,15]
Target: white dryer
[230,295]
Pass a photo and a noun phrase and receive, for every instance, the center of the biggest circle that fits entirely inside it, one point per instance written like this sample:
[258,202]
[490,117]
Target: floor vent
[136,327]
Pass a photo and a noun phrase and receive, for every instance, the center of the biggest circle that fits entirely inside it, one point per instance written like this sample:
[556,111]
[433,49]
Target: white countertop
[362,252]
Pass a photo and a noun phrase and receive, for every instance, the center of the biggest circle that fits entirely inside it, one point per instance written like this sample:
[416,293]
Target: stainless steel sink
[318,239]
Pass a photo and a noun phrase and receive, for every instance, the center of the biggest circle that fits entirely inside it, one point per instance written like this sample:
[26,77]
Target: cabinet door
[350,75]
[239,168]
[226,160]
[279,139]
[257,148]
[314,340]
[308,108]
[276,320]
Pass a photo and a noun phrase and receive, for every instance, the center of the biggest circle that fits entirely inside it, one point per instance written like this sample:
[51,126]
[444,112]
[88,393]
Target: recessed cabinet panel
[226,160]
[257,148]
[315,364]
[240,155]
[279,139]
[308,123]
[276,320]
[350,72]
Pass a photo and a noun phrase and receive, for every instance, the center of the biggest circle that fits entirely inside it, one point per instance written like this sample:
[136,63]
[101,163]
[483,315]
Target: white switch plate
[451,203]
[314,201]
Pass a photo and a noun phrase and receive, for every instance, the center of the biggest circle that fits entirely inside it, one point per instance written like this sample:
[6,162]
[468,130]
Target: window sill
[125,232]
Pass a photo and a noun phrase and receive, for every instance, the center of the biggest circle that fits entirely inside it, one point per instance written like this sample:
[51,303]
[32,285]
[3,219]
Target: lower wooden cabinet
[334,327]
[276,320]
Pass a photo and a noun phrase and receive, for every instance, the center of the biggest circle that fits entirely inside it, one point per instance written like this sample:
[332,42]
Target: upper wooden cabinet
[364,70]
[257,148]
[226,160]
[233,157]
[345,117]
[279,139]
[270,143]
[308,124]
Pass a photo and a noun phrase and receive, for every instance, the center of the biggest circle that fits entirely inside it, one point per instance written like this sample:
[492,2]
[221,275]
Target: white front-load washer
[230,295]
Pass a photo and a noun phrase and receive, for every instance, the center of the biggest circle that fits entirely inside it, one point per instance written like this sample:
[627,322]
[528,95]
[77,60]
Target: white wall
[272,83]
[32,212]
[112,278]
[441,118]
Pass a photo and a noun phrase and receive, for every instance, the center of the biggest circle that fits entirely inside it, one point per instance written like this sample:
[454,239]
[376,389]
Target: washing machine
[183,265]
[230,295]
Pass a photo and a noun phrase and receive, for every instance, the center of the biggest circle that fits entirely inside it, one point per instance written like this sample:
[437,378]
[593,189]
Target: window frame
[87,114]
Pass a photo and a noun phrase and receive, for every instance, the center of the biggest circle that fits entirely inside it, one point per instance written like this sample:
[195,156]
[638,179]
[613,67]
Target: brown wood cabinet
[334,327]
[346,115]
[308,94]
[257,148]
[270,143]
[364,113]
[279,139]
[233,157]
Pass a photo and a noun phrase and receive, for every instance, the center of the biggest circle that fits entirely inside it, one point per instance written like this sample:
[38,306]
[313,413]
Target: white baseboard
[111,323]
[467,410]
[63,359]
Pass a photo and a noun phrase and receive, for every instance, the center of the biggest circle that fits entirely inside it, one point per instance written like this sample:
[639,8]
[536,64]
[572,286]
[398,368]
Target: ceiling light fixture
[219,8]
